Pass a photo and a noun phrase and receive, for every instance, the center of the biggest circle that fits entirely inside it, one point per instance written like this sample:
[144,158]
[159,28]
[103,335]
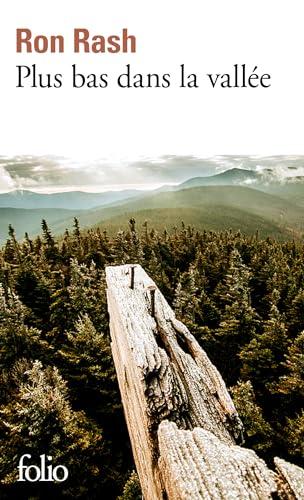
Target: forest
[242,297]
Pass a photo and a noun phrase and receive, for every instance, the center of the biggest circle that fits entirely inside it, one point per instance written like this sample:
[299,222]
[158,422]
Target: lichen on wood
[183,426]
[290,479]
[196,464]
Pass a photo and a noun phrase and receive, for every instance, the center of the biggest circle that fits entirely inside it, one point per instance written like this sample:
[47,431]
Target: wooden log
[290,480]
[196,464]
[182,423]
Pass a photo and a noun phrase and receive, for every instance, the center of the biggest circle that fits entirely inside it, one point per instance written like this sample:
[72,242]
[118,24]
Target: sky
[48,174]
[123,127]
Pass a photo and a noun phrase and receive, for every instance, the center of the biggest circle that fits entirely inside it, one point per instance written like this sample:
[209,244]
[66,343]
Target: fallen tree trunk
[183,426]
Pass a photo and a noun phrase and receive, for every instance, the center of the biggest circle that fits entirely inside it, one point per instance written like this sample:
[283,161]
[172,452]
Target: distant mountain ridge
[78,200]
[237,198]
[228,177]
[239,176]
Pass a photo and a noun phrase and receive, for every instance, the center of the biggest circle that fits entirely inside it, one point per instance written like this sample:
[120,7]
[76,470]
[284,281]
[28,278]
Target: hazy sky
[123,125]
[48,174]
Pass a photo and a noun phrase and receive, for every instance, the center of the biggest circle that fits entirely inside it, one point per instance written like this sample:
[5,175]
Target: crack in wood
[183,426]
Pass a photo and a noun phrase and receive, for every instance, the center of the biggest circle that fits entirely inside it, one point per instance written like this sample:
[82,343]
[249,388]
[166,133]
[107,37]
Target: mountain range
[237,199]
[73,200]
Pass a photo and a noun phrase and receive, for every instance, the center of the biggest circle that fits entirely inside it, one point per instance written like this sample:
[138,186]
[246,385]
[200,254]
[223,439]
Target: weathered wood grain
[183,426]
[196,464]
[290,480]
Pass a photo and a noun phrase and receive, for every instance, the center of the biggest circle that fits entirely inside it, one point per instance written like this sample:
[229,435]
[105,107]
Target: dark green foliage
[39,420]
[32,289]
[17,339]
[295,437]
[263,356]
[241,296]
[132,490]
[259,434]
[291,383]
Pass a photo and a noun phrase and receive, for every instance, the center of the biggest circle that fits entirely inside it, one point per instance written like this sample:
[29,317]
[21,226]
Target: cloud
[51,173]
[6,181]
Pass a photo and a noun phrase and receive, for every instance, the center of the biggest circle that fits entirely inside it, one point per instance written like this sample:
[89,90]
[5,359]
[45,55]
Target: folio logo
[33,473]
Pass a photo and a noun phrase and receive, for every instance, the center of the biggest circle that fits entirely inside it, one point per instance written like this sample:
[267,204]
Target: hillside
[215,218]
[29,221]
[291,191]
[209,207]
[224,203]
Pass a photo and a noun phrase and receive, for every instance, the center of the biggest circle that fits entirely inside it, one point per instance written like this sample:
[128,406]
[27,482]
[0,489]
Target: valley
[236,199]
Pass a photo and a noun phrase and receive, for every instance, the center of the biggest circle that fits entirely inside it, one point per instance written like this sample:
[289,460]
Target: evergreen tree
[60,307]
[296,313]
[238,319]
[295,437]
[87,292]
[241,296]
[186,289]
[135,247]
[262,358]
[120,248]
[258,432]
[15,244]
[132,490]
[293,382]
[89,366]
[50,247]
[41,421]
[16,339]
[33,291]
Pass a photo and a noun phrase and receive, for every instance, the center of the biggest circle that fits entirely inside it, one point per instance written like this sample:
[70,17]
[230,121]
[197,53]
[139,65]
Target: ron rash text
[83,42]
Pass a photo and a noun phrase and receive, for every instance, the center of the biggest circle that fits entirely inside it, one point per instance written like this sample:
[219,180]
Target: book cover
[151,250]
